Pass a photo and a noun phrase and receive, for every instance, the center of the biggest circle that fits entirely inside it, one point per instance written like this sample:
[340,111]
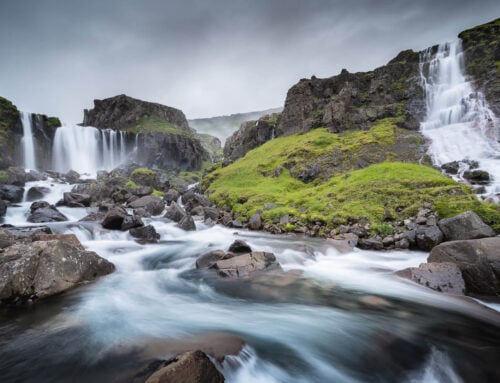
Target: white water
[28,144]
[87,149]
[459,123]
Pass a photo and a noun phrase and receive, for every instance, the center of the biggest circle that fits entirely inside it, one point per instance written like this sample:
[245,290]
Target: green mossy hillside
[154,124]
[387,191]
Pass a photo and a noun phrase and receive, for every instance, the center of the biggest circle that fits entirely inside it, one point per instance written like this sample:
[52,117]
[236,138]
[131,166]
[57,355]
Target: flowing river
[333,316]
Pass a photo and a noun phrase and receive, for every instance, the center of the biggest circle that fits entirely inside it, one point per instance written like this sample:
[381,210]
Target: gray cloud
[206,57]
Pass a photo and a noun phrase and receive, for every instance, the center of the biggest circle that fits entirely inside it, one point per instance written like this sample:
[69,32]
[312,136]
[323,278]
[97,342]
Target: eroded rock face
[467,225]
[190,367]
[45,268]
[478,260]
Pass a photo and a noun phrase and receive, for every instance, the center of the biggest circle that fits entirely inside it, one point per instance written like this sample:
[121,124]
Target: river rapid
[330,317]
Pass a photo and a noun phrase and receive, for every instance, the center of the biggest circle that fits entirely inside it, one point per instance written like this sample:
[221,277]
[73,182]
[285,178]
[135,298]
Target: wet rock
[42,212]
[209,259]
[477,177]
[245,265]
[71,177]
[3,208]
[72,199]
[36,193]
[27,231]
[130,222]
[451,167]
[239,247]
[237,224]
[15,175]
[114,218]
[44,268]
[194,200]
[255,222]
[170,196]
[211,212]
[33,175]
[197,211]
[187,223]
[11,193]
[66,238]
[153,205]
[427,237]
[175,212]
[373,243]
[227,219]
[190,367]
[145,234]
[477,259]
[467,225]
[445,277]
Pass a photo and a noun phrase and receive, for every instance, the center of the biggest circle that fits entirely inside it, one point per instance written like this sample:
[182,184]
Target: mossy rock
[144,177]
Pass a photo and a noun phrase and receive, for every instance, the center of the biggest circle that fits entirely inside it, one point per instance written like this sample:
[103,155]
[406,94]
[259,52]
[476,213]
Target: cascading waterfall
[28,143]
[459,123]
[87,149]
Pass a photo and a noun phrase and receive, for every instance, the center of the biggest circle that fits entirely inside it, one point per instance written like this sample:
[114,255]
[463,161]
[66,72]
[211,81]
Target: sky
[205,57]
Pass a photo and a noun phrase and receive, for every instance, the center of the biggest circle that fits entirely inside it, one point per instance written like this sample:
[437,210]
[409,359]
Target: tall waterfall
[459,123]
[28,144]
[87,149]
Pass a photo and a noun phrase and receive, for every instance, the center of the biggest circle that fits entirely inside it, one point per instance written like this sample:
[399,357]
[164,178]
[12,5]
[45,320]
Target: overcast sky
[206,57]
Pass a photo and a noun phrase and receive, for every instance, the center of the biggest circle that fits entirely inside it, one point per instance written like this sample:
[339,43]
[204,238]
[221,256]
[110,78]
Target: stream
[330,317]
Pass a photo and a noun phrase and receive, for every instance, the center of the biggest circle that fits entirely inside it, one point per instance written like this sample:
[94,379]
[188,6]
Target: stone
[145,234]
[451,167]
[211,212]
[153,205]
[255,222]
[15,175]
[170,196]
[11,193]
[41,212]
[71,177]
[477,259]
[477,177]
[175,212]
[239,247]
[44,268]
[26,231]
[66,238]
[187,223]
[130,222]
[72,199]
[445,277]
[245,265]
[370,244]
[467,225]
[237,224]
[427,237]
[190,367]
[36,193]
[114,218]
[3,208]
[207,260]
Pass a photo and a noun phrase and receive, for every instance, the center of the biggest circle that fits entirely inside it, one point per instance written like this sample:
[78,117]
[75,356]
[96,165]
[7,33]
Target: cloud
[205,57]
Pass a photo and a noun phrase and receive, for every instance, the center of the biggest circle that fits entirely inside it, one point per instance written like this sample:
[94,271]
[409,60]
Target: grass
[153,124]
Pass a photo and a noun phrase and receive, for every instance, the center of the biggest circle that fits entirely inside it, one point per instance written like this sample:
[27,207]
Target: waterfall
[87,149]
[459,123]
[28,143]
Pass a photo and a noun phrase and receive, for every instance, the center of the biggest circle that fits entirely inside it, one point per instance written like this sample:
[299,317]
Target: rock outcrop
[467,225]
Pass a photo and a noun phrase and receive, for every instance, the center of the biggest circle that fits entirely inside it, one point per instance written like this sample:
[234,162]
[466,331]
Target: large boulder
[190,367]
[208,260]
[11,193]
[478,260]
[117,218]
[152,204]
[428,236]
[240,247]
[445,277]
[72,199]
[171,195]
[467,225]
[175,212]
[36,193]
[145,234]
[255,222]
[42,211]
[245,265]
[44,268]
[187,223]
[15,175]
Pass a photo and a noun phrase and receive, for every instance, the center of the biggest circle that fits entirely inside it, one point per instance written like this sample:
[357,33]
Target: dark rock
[15,175]
[237,224]
[175,212]
[45,268]
[27,231]
[36,193]
[130,222]
[34,175]
[198,211]
[170,196]
[445,277]
[477,177]
[66,238]
[72,199]
[194,200]
[477,259]
[427,237]
[370,243]
[190,367]
[255,222]
[211,212]
[451,167]
[467,225]
[11,193]
[154,205]
[43,212]
[239,247]
[245,265]
[114,218]
[3,208]
[227,219]
[209,259]
[187,223]
[71,177]
[145,234]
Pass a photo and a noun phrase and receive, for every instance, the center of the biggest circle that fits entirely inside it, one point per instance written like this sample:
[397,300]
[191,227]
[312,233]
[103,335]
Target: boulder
[467,225]
[187,223]
[245,265]
[427,237]
[130,222]
[190,367]
[170,196]
[42,212]
[445,277]
[71,177]
[34,175]
[477,259]
[27,231]
[11,193]
[114,218]
[209,259]
[373,243]
[255,222]
[36,193]
[154,205]
[145,234]
[44,268]
[477,177]
[175,212]
[239,247]
[66,238]
[72,199]
[3,208]
[15,175]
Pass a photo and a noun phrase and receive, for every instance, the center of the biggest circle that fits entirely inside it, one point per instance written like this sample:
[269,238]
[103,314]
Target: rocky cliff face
[356,100]
[482,60]
[250,135]
[123,112]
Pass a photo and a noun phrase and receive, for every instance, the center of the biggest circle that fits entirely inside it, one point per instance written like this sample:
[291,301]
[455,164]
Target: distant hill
[223,126]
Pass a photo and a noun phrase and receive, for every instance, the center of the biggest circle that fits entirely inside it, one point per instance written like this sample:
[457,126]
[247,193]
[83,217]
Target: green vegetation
[3,176]
[368,194]
[153,124]
[53,122]
[143,176]
[157,193]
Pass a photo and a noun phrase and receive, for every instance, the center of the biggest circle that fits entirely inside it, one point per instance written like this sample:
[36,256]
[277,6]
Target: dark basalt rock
[175,212]
[208,260]
[3,208]
[36,193]
[255,222]
[240,247]
[171,195]
[187,223]
[477,177]
[428,236]
[467,225]
[11,193]
[245,265]
[72,199]
[42,212]
[152,204]
[145,234]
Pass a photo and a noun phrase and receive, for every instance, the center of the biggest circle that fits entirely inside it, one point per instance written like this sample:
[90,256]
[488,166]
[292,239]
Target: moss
[53,122]
[131,185]
[158,193]
[9,114]
[154,124]
[3,176]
